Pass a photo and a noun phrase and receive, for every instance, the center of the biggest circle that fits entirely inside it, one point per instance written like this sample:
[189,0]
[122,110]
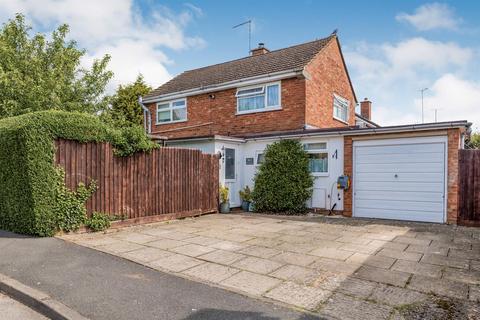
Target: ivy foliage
[32,200]
[70,205]
[283,182]
[98,221]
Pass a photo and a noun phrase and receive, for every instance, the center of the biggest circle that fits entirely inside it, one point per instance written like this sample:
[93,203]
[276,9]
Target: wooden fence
[469,187]
[165,183]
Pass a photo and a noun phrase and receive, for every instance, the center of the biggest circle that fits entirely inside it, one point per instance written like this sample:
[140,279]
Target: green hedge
[283,183]
[28,178]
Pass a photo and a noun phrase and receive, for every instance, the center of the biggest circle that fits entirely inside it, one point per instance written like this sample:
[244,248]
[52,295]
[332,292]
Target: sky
[392,48]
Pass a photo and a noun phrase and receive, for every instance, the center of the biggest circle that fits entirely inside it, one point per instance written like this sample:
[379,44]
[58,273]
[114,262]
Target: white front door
[401,179]
[230,172]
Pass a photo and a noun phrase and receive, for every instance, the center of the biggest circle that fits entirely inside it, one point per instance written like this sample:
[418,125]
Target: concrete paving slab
[295,273]
[175,263]
[340,306]
[331,253]
[211,272]
[146,254]
[335,266]
[222,257]
[165,243]
[442,287]
[423,269]
[295,258]
[192,250]
[395,296]
[135,237]
[259,251]
[441,260]
[394,278]
[257,265]
[251,283]
[298,295]
[370,260]
[403,255]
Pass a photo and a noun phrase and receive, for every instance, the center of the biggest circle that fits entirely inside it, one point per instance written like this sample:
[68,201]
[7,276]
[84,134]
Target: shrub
[283,183]
[98,221]
[246,194]
[70,205]
[223,190]
[29,181]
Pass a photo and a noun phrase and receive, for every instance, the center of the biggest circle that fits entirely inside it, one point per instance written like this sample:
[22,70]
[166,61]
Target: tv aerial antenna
[249,22]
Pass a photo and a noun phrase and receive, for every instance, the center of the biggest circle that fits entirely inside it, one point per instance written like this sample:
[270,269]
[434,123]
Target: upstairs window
[340,108]
[259,98]
[318,158]
[172,111]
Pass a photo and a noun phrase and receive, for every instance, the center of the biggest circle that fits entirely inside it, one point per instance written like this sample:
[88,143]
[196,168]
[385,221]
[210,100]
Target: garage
[401,179]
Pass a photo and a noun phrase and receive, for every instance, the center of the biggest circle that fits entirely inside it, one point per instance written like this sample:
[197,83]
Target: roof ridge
[265,54]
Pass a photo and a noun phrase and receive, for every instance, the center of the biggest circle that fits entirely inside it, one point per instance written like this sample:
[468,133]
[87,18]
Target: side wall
[454,145]
[327,75]
[206,116]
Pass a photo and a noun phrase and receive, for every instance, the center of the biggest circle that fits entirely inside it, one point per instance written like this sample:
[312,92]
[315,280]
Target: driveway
[335,267]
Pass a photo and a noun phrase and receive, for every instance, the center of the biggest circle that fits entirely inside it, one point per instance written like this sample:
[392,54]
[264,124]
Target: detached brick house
[304,92]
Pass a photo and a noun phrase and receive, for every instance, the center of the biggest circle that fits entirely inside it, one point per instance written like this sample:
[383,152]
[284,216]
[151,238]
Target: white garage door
[402,179]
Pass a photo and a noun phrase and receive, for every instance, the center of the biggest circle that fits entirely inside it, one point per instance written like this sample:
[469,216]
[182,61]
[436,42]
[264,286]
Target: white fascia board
[227,85]
[357,132]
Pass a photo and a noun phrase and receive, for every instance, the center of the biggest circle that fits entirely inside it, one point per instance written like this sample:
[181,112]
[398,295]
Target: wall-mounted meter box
[343,182]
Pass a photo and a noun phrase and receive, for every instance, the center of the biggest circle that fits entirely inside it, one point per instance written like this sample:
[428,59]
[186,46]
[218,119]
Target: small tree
[124,109]
[40,72]
[283,182]
[473,141]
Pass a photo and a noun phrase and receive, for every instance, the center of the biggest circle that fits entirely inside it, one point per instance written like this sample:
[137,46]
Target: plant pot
[245,205]
[251,207]
[225,207]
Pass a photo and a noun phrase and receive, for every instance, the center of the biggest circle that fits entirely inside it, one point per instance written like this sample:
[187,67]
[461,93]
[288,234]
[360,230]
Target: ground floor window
[318,157]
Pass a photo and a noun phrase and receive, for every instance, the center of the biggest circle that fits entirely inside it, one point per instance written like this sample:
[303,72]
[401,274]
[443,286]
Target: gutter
[228,85]
[147,116]
[356,132]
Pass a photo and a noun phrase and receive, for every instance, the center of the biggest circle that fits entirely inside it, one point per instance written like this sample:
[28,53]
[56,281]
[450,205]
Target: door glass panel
[229,163]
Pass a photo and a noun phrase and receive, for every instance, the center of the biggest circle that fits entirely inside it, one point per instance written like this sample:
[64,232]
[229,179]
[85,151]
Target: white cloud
[431,16]
[455,99]
[392,74]
[116,27]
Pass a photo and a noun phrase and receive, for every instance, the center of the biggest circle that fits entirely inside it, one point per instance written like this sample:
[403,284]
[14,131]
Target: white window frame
[319,151]
[257,153]
[171,108]
[345,102]
[262,92]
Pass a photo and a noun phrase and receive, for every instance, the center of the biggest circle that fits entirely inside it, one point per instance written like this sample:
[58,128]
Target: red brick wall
[327,75]
[452,179]
[218,116]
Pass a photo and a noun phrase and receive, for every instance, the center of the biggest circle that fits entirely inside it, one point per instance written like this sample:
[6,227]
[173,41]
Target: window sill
[320,174]
[239,113]
[170,122]
[341,120]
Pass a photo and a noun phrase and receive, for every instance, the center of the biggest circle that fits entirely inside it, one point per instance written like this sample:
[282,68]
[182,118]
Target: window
[172,111]
[340,108]
[318,157]
[229,164]
[259,158]
[260,98]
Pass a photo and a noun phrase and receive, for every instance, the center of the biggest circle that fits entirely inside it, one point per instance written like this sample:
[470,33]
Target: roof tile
[294,57]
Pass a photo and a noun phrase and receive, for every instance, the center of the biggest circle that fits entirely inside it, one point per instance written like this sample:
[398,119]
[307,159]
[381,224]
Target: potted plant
[246,197]
[224,203]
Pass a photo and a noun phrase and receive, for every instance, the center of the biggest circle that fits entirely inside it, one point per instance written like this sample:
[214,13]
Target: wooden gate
[469,187]
[163,184]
